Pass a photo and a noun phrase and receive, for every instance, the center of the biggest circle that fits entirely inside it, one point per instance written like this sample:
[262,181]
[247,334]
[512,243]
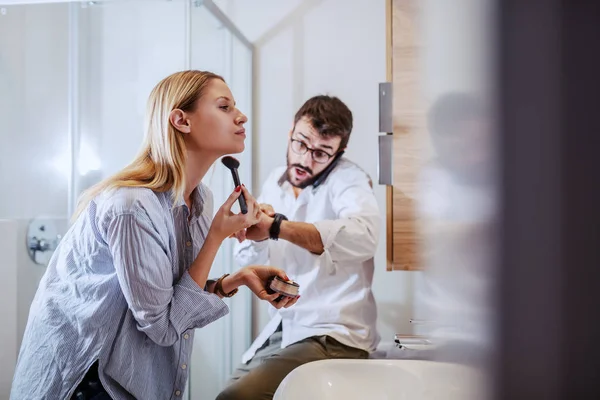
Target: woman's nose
[241,119]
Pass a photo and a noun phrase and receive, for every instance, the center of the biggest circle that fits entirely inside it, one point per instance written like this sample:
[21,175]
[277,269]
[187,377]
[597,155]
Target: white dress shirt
[335,287]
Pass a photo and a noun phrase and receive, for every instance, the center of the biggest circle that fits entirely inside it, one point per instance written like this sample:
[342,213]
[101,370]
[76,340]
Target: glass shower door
[74,79]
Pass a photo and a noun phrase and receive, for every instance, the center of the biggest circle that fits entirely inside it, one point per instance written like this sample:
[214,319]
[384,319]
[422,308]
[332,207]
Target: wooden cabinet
[410,143]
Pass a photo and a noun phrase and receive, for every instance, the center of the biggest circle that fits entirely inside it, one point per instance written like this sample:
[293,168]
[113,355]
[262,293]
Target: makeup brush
[233,165]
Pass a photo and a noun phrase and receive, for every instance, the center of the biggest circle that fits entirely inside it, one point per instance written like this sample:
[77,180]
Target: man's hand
[259,231]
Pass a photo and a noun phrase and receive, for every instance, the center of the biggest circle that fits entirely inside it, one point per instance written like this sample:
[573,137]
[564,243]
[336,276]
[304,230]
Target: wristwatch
[276,226]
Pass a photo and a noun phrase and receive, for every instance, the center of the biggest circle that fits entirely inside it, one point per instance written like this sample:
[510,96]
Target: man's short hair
[329,116]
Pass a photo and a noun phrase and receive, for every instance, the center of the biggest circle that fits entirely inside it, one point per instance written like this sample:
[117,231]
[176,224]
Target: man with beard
[320,223]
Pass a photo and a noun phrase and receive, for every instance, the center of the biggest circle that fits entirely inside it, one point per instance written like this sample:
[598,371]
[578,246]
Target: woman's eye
[224,108]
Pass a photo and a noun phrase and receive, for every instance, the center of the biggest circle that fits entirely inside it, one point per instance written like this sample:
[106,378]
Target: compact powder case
[283,287]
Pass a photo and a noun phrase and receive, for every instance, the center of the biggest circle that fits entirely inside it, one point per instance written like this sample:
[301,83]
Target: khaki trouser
[259,378]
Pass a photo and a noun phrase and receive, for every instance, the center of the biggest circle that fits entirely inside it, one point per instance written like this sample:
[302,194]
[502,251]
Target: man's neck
[297,191]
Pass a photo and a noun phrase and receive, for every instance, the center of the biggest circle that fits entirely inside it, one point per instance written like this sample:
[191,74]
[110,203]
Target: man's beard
[305,183]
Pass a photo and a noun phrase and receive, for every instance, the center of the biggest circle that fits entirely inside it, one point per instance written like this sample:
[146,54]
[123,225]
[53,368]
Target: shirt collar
[197,195]
[283,178]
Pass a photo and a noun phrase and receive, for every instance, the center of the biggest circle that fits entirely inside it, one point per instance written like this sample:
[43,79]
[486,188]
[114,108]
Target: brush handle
[241,199]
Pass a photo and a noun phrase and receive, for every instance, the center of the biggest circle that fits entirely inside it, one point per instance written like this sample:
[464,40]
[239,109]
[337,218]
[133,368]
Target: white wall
[33,111]
[123,56]
[337,47]
[33,138]
[8,311]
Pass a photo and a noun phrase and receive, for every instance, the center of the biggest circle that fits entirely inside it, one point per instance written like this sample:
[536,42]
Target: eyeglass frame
[312,151]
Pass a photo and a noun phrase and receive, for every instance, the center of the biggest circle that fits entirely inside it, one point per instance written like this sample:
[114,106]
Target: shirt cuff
[193,307]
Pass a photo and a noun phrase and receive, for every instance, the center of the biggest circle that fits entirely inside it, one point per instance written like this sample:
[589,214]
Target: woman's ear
[179,121]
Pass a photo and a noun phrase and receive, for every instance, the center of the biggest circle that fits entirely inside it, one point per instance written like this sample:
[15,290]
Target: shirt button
[184,366]
[186,336]
[177,393]
[188,243]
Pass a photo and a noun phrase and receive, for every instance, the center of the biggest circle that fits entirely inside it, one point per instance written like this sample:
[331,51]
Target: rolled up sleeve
[354,234]
[163,310]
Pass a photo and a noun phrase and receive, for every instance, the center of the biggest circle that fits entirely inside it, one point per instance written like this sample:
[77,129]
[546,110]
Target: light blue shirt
[117,290]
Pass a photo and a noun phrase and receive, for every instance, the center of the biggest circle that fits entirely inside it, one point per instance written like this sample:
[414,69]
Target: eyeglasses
[319,156]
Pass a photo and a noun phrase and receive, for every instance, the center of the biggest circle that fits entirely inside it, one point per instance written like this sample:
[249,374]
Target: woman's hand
[226,223]
[256,277]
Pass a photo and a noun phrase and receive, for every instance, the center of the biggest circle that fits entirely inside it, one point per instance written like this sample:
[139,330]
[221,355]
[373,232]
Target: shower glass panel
[74,80]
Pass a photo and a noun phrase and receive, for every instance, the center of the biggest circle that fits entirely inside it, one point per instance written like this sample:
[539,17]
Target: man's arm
[302,234]
[353,235]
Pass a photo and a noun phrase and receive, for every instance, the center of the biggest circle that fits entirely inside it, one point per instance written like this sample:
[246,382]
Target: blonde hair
[160,165]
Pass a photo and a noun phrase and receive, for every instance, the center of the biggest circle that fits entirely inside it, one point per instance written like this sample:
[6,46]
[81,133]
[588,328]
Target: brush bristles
[230,162]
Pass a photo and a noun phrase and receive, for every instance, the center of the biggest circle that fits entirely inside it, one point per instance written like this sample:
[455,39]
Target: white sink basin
[381,379]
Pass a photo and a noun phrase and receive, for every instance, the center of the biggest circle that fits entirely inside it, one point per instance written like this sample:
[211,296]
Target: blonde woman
[115,313]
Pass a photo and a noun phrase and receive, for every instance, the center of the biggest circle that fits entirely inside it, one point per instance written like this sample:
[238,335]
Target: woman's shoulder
[129,200]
